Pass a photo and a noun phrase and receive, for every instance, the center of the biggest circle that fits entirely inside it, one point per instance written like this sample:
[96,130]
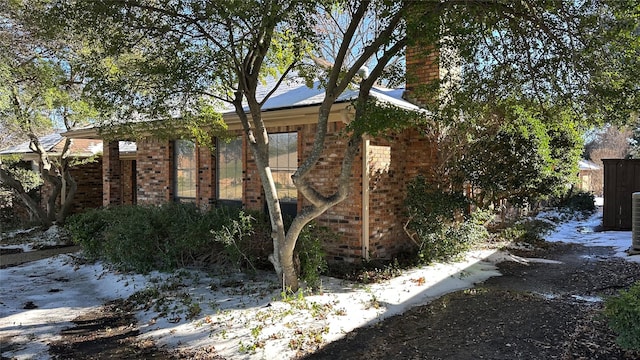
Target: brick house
[369,222]
[88,173]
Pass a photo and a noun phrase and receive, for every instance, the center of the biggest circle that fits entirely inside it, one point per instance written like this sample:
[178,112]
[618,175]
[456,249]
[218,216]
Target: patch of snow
[53,236]
[23,247]
[499,257]
[14,233]
[341,307]
[589,299]
[547,296]
[249,312]
[574,232]
[593,257]
[82,289]
[245,317]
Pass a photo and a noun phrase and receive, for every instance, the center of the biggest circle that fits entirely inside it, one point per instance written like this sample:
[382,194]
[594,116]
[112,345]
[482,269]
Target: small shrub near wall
[145,238]
[438,223]
[311,254]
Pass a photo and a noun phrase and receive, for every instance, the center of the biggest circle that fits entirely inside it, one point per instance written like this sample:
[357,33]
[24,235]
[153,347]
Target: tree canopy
[178,59]
[41,88]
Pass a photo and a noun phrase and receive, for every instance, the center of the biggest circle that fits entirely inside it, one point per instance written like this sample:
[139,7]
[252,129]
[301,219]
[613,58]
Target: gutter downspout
[365,198]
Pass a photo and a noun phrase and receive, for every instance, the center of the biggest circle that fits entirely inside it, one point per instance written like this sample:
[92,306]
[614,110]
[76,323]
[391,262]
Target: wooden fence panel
[621,180]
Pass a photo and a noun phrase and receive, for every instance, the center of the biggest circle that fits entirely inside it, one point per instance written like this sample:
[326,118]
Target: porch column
[111,175]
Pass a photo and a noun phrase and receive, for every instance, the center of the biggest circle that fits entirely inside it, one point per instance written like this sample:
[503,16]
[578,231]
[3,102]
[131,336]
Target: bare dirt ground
[533,311]
[110,333]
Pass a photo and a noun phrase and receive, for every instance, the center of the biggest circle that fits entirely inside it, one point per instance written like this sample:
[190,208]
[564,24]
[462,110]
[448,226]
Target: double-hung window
[229,170]
[283,160]
[186,172]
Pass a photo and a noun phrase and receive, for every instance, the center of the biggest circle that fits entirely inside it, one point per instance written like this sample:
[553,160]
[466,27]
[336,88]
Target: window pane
[185,169]
[283,160]
[230,170]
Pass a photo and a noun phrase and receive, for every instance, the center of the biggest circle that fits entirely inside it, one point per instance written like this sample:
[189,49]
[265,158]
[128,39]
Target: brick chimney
[422,73]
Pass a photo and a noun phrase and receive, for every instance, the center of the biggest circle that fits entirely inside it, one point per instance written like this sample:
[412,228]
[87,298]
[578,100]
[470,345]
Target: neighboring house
[590,177]
[87,173]
[369,223]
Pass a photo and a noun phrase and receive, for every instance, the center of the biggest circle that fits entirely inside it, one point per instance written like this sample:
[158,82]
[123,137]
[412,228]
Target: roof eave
[289,116]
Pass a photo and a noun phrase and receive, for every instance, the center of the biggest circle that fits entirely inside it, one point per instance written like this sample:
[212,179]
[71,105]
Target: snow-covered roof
[54,143]
[588,165]
[293,92]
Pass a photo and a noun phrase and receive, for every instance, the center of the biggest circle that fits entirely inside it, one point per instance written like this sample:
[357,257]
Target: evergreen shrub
[311,254]
[438,220]
[623,312]
[582,201]
[146,238]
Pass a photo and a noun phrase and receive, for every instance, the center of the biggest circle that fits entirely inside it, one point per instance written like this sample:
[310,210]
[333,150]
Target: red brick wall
[111,174]
[155,172]
[252,197]
[89,179]
[422,69]
[386,183]
[206,183]
[89,194]
[128,182]
[345,219]
[393,163]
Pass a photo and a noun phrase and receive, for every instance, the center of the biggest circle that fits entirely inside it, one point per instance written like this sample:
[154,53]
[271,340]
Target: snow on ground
[242,316]
[585,232]
[49,238]
[41,298]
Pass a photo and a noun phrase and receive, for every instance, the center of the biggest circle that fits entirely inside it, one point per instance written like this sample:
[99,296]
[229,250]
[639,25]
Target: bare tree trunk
[72,185]
[65,207]
[337,81]
[18,189]
[48,173]
[258,140]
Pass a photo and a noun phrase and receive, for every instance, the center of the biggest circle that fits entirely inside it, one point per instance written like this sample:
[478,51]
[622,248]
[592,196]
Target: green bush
[87,229]
[448,240]
[582,201]
[623,312]
[436,218]
[145,238]
[429,206]
[531,231]
[311,254]
[233,235]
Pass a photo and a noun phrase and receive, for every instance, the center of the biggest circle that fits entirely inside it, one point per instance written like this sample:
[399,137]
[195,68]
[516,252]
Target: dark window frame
[229,201]
[286,201]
